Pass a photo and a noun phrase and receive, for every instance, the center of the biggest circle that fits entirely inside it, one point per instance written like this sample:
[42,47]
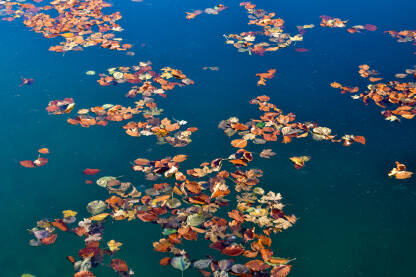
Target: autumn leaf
[179,158]
[267,153]
[27,163]
[299,162]
[90,171]
[280,271]
[114,245]
[69,213]
[43,151]
[239,143]
[399,172]
[99,217]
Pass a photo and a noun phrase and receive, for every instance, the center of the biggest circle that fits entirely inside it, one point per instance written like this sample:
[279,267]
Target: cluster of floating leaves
[218,8]
[146,82]
[400,172]
[92,230]
[58,107]
[81,23]
[399,97]
[188,209]
[365,72]
[166,130]
[163,129]
[167,167]
[272,30]
[274,123]
[333,22]
[40,161]
[192,204]
[404,36]
[100,115]
[263,76]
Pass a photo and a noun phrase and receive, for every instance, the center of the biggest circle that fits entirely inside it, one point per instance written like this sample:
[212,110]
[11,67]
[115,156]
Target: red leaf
[90,171]
[233,250]
[40,161]
[84,274]
[119,265]
[49,240]
[27,164]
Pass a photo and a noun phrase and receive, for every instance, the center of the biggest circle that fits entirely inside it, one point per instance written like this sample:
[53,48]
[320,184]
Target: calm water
[354,220]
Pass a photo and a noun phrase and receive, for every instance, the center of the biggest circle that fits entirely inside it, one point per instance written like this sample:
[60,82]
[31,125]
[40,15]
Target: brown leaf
[257,265]
[119,265]
[280,271]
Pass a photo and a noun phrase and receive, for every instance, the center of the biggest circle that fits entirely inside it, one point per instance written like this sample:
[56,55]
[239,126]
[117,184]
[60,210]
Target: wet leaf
[180,262]
[267,153]
[114,245]
[119,265]
[90,171]
[239,143]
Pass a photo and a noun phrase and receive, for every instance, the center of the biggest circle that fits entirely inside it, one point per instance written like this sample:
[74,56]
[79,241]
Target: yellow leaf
[67,35]
[114,245]
[99,217]
[69,213]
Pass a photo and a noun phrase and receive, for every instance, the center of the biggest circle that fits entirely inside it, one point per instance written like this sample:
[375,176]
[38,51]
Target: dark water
[354,220]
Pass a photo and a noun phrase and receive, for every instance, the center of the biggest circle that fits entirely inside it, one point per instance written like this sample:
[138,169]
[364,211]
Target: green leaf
[260,124]
[168,231]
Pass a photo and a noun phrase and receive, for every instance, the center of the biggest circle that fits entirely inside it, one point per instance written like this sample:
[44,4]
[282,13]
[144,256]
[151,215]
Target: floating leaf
[257,265]
[99,217]
[102,182]
[239,143]
[173,203]
[27,163]
[280,271]
[96,207]
[195,220]
[267,153]
[114,245]
[203,263]
[299,162]
[180,262]
[90,171]
[168,231]
[69,213]
[43,151]
[119,265]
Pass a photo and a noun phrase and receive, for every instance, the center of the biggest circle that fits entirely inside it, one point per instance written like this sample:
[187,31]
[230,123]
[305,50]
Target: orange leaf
[44,151]
[179,158]
[239,143]
[359,139]
[164,261]
[27,163]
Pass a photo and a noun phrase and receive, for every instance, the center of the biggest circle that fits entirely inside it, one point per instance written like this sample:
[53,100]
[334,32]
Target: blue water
[354,220]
